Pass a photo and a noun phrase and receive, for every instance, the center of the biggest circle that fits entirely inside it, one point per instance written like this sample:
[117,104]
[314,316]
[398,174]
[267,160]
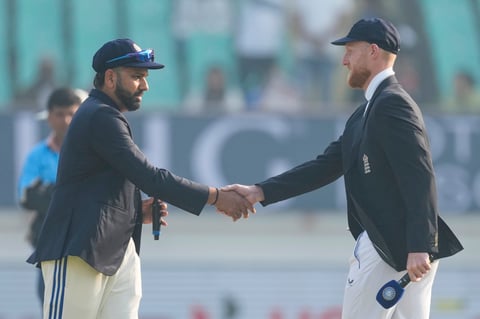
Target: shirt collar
[377,79]
[104,98]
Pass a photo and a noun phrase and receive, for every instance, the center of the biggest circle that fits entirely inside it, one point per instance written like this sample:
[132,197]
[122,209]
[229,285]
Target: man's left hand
[147,211]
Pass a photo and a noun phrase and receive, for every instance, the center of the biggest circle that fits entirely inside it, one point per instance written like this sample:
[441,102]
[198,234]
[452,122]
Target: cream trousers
[368,273]
[74,290]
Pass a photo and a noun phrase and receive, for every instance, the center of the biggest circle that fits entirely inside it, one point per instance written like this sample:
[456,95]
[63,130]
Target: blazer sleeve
[400,130]
[305,177]
[111,139]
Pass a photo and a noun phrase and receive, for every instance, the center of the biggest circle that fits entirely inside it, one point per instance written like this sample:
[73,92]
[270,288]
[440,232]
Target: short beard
[358,78]
[127,98]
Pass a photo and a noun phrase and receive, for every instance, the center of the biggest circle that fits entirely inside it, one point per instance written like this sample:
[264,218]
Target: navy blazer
[96,205]
[385,159]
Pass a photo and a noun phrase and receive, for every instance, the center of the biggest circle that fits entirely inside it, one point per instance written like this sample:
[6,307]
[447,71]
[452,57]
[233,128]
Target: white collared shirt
[377,79]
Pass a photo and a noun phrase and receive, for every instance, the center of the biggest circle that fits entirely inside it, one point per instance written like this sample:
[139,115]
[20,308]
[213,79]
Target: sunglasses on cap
[140,56]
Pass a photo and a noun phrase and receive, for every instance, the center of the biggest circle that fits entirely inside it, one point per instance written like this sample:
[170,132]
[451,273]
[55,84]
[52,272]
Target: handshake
[235,201]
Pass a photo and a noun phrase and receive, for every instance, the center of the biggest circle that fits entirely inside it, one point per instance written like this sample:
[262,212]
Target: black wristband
[216,196]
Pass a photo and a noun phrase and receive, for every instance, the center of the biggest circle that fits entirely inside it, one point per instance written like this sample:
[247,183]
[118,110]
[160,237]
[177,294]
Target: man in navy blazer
[384,157]
[89,243]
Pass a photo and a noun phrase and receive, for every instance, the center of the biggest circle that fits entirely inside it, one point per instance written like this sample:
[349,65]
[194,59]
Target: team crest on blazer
[366,164]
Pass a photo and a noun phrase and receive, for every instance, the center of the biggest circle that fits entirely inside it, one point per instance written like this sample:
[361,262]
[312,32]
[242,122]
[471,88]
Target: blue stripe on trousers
[58,289]
[64,279]
[50,311]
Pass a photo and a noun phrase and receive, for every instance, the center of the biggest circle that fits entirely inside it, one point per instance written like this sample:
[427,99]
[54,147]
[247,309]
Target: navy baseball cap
[376,30]
[123,52]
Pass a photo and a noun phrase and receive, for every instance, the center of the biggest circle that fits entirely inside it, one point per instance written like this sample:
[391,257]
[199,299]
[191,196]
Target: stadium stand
[88,37]
[149,25]
[4,78]
[43,17]
[205,50]
[454,39]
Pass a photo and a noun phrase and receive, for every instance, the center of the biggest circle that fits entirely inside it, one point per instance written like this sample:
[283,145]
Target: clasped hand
[238,200]
[233,204]
[235,201]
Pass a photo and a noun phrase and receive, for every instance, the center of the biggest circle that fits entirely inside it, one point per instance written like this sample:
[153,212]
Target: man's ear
[110,78]
[375,49]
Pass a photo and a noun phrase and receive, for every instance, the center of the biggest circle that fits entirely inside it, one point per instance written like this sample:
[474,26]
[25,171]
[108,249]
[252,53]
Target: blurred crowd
[276,56]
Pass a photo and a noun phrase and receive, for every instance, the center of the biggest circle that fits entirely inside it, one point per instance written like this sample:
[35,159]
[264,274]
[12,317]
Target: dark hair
[62,98]
[99,80]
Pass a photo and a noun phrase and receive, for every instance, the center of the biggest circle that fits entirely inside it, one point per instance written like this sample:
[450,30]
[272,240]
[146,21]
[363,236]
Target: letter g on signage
[209,146]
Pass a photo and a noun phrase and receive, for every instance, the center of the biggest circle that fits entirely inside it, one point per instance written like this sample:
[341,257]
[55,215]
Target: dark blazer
[385,159]
[96,204]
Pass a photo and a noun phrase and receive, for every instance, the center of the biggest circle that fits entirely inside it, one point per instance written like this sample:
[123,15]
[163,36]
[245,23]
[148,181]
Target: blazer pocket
[115,224]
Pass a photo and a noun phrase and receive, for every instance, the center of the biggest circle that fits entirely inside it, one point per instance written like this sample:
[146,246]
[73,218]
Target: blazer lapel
[353,136]
[354,132]
[388,81]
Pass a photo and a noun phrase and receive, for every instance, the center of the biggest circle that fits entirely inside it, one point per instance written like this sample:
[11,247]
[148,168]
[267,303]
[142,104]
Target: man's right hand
[234,205]
[252,193]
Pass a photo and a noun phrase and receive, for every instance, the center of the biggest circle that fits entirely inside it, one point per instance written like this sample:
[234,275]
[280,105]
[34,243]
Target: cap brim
[343,41]
[145,65]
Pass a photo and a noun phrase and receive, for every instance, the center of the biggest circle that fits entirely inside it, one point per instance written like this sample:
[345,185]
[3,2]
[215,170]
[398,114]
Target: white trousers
[74,290]
[368,273]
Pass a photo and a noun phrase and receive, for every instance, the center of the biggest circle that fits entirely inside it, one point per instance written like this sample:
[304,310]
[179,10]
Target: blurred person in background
[39,172]
[258,41]
[466,97]
[88,246]
[198,18]
[37,94]
[280,95]
[218,96]
[310,25]
[384,157]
